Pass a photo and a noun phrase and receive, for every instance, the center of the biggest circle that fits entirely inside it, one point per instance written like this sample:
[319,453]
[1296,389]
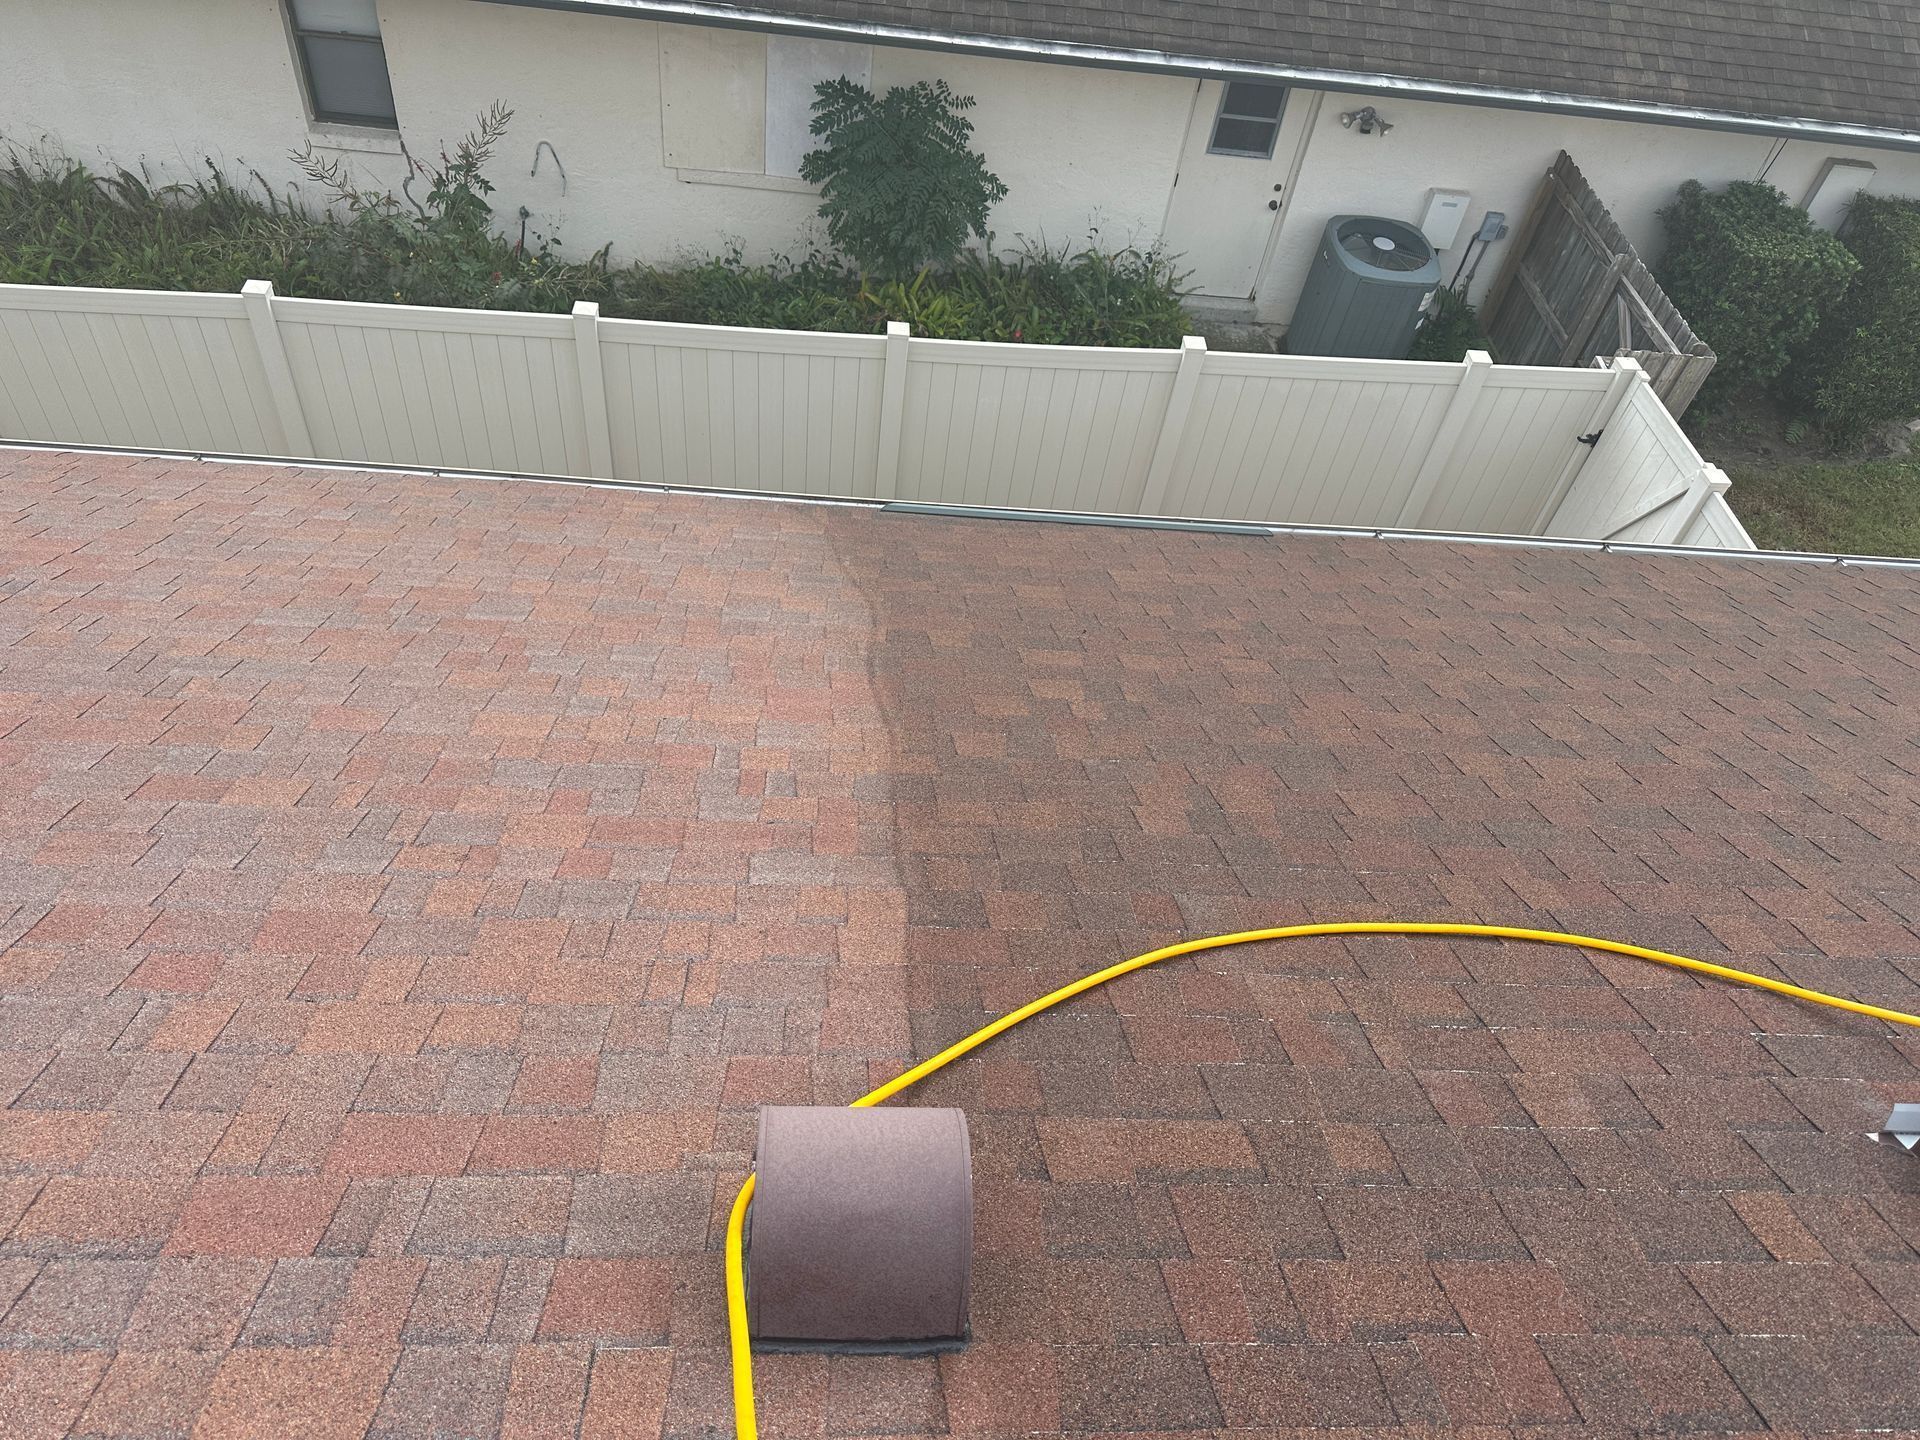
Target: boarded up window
[794,68]
[713,98]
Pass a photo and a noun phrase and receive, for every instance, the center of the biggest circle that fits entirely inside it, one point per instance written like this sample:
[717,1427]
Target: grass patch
[1855,508]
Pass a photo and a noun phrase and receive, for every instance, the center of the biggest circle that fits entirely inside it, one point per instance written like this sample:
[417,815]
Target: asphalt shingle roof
[1850,61]
[410,887]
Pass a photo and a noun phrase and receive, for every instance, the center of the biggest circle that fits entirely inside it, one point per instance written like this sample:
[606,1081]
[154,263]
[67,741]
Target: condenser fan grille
[1381,249]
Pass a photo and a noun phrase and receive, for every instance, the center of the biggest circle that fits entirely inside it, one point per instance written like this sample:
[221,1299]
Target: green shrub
[62,225]
[901,189]
[1450,330]
[1751,275]
[1862,367]
[1041,296]
[1034,296]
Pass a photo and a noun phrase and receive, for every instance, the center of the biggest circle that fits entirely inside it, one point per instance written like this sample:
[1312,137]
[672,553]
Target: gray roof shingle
[1842,61]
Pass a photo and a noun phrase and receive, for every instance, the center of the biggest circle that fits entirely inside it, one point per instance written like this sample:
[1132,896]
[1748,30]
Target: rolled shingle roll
[861,1231]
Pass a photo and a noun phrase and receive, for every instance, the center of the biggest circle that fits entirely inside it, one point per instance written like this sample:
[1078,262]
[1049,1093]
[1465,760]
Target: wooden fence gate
[1574,289]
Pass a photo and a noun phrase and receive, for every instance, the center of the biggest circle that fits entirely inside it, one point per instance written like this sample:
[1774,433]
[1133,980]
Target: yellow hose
[744,1426]
[743,1422]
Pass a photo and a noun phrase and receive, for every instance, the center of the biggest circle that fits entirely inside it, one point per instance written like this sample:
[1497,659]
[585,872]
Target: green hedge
[62,225]
[1862,367]
[1752,276]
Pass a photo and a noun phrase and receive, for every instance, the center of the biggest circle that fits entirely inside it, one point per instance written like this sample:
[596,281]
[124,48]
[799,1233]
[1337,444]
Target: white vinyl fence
[1645,482]
[1263,438]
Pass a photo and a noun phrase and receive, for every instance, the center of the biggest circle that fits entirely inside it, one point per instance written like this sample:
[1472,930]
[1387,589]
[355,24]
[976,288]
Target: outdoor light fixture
[1366,120]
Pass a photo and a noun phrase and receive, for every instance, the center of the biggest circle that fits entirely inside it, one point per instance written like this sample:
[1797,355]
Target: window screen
[1249,119]
[343,60]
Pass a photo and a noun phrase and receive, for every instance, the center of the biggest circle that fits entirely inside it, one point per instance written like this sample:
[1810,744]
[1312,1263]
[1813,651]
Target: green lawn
[1856,508]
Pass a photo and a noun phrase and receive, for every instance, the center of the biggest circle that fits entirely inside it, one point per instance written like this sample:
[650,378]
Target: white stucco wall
[166,87]
[1078,148]
[666,168]
[1498,156]
[589,86]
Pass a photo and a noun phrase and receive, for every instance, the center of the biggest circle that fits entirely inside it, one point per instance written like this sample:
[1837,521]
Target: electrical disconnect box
[1440,220]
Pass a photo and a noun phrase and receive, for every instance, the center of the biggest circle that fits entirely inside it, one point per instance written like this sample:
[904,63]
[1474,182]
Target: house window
[343,60]
[1249,120]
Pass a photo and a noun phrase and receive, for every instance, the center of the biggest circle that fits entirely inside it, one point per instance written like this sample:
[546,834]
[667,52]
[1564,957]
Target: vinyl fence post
[257,297]
[593,388]
[1709,482]
[1473,376]
[893,410]
[1626,372]
[1173,427]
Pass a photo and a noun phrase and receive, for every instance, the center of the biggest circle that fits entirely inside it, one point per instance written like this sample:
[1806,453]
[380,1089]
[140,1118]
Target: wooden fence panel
[1574,289]
[1676,378]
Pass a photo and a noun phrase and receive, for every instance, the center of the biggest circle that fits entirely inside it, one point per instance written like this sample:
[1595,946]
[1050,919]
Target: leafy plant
[901,189]
[1753,277]
[1040,296]
[1451,329]
[1862,367]
[440,251]
[62,225]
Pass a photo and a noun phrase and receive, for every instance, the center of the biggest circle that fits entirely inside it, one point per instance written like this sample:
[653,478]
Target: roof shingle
[1845,61]
[412,886]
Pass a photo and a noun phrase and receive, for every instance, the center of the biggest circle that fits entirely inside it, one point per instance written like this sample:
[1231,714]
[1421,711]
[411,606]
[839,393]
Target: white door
[1240,149]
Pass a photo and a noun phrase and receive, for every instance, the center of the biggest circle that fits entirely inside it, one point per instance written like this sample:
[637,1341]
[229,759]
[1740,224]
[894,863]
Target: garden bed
[60,224]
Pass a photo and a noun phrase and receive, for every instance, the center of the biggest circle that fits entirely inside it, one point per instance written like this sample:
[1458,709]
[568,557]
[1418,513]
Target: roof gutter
[988,512]
[701,12]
